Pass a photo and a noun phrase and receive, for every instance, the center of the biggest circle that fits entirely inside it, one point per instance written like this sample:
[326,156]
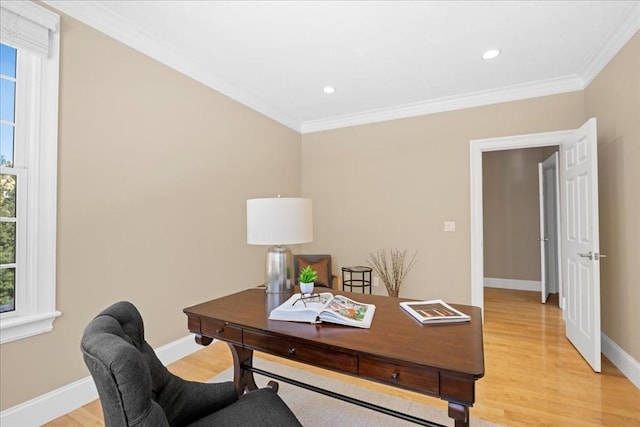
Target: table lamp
[279,221]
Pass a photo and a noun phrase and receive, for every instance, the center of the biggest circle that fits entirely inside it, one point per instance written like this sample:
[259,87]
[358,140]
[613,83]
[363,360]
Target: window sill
[19,327]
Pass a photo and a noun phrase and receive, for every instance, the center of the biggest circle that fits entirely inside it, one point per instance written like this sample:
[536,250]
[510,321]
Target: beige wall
[511,216]
[154,172]
[393,184]
[614,98]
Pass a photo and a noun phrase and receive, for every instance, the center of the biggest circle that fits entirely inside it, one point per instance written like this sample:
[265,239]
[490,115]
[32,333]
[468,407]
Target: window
[29,46]
[9,248]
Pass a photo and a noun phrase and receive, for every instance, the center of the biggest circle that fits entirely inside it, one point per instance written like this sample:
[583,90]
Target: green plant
[308,275]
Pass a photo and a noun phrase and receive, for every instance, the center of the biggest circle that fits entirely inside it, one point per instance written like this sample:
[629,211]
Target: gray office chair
[136,389]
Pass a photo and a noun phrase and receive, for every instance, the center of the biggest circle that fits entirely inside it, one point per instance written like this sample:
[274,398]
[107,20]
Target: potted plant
[307,278]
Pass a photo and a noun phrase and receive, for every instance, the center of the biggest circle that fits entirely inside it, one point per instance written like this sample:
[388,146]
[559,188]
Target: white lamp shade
[279,221]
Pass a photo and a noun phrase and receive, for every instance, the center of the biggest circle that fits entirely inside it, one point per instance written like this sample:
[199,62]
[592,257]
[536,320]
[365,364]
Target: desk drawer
[221,330]
[409,377]
[315,355]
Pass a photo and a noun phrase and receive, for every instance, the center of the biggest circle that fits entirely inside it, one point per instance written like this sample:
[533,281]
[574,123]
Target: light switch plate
[449,226]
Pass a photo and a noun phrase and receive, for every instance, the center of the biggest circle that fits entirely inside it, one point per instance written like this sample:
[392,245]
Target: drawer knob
[219,330]
[395,376]
[292,350]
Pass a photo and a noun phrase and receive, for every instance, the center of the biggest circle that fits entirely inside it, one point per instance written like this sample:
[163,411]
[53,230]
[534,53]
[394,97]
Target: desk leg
[242,378]
[459,413]
[202,340]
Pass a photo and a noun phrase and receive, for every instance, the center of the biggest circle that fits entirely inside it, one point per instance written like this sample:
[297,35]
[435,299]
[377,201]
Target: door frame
[477,147]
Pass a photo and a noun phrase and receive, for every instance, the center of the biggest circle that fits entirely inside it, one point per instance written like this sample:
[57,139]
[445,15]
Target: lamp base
[279,270]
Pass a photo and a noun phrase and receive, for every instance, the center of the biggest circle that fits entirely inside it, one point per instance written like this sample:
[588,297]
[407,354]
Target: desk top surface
[394,334]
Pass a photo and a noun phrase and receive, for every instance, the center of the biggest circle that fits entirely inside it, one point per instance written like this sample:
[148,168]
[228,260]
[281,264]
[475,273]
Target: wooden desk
[438,360]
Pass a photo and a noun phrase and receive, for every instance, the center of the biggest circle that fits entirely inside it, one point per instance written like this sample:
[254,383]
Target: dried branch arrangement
[391,275]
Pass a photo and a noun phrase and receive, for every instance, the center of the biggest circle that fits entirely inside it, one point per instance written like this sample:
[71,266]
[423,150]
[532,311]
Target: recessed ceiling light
[329,89]
[490,54]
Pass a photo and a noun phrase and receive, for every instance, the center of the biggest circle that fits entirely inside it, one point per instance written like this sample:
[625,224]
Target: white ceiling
[386,59]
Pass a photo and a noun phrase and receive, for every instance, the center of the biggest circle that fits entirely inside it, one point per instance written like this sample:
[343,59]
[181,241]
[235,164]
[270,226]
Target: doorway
[580,245]
[478,147]
[520,238]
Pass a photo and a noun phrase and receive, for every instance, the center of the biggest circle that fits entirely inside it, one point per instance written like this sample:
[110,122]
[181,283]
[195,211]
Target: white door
[549,225]
[542,235]
[552,202]
[580,241]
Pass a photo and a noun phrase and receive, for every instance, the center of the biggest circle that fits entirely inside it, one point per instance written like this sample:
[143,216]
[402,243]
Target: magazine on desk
[325,307]
[435,311]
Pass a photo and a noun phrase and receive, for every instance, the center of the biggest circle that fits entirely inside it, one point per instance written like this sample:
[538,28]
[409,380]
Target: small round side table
[359,277]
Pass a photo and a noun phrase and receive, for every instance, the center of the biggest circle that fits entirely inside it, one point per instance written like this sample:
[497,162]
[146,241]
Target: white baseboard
[629,366]
[51,405]
[177,349]
[519,285]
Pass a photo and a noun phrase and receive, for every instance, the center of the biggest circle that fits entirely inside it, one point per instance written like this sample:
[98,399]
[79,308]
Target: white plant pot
[306,288]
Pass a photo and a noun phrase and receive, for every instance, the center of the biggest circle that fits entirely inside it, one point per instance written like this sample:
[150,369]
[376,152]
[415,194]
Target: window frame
[36,134]
[20,220]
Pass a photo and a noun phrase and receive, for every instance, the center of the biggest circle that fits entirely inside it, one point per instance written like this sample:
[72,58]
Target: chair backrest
[320,263]
[127,373]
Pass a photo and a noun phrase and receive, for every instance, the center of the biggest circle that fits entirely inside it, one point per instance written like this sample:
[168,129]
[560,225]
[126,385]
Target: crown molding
[616,42]
[476,99]
[94,15]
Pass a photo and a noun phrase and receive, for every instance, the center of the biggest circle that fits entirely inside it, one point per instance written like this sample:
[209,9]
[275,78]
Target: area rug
[316,410]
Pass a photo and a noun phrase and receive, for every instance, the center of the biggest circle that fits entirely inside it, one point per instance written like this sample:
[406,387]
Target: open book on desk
[435,311]
[325,307]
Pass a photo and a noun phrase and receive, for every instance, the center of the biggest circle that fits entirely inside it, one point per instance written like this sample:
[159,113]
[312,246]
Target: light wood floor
[534,377]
